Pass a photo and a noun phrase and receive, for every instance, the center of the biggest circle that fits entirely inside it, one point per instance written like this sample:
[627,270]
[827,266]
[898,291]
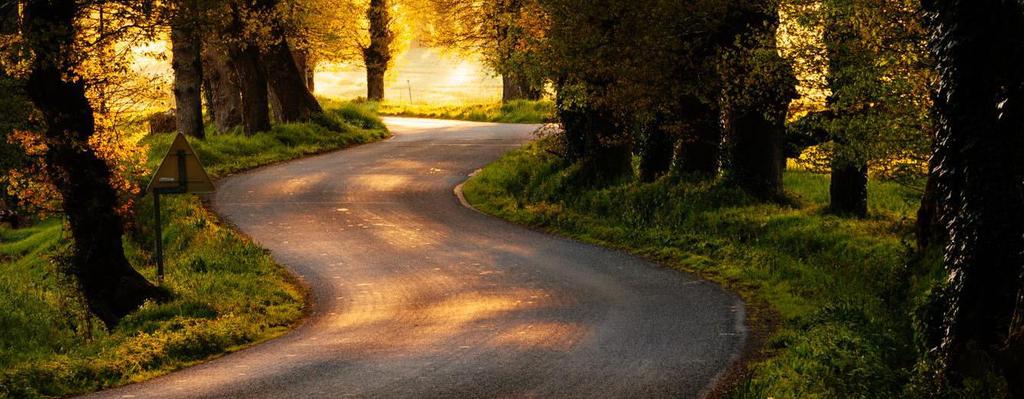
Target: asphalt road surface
[418,296]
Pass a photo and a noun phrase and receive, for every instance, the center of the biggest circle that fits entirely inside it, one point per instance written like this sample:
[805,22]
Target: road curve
[417,296]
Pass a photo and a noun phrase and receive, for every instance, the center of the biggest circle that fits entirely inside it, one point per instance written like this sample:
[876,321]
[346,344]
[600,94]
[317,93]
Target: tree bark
[224,96]
[595,140]
[306,66]
[755,115]
[293,100]
[848,189]
[980,178]
[929,230]
[253,84]
[111,286]
[377,55]
[515,87]
[699,152]
[656,151]
[186,47]
[9,18]
[847,57]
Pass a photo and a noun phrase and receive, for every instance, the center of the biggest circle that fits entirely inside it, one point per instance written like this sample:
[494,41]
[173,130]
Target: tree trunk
[111,286]
[377,55]
[980,178]
[9,18]
[252,79]
[187,63]
[253,84]
[849,64]
[698,153]
[374,84]
[516,87]
[288,84]
[656,151]
[929,229]
[848,189]
[756,148]
[306,66]
[224,96]
[596,141]
[755,115]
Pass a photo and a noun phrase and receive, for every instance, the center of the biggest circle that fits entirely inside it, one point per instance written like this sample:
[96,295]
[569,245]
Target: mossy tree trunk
[111,286]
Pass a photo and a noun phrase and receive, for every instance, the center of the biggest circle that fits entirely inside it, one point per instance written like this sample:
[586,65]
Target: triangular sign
[181,158]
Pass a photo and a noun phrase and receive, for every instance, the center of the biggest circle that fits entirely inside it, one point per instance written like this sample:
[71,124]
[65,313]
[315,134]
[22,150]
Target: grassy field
[840,293]
[520,111]
[228,292]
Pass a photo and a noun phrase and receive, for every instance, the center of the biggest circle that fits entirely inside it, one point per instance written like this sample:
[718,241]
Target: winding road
[418,296]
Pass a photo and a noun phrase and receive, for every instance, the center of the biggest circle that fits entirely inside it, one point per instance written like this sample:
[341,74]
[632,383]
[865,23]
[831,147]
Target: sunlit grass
[519,111]
[843,288]
[228,292]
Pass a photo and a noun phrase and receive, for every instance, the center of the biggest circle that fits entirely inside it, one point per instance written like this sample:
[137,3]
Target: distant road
[417,296]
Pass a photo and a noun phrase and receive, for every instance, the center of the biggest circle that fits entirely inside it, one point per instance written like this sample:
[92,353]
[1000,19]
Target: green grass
[519,111]
[228,292]
[841,289]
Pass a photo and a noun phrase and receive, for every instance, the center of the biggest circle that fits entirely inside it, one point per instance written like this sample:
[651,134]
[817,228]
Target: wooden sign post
[180,172]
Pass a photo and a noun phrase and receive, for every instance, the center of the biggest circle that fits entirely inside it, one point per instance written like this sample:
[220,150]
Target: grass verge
[519,111]
[843,290]
[228,292]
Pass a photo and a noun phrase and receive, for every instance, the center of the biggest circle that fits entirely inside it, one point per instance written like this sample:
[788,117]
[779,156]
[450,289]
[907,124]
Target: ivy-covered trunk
[111,286]
[980,179]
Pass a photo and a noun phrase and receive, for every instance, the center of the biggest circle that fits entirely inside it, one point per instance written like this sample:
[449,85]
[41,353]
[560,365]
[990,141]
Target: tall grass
[518,111]
[842,289]
[228,292]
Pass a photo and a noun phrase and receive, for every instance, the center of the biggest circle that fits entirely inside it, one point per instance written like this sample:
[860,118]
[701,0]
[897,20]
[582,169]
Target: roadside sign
[180,171]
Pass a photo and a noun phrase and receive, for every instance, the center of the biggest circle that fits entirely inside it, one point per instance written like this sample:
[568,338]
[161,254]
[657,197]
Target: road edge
[724,383]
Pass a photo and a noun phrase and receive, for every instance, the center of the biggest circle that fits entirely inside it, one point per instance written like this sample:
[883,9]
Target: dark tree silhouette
[979,49]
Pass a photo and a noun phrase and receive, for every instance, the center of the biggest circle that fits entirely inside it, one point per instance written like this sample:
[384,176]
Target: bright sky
[432,76]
